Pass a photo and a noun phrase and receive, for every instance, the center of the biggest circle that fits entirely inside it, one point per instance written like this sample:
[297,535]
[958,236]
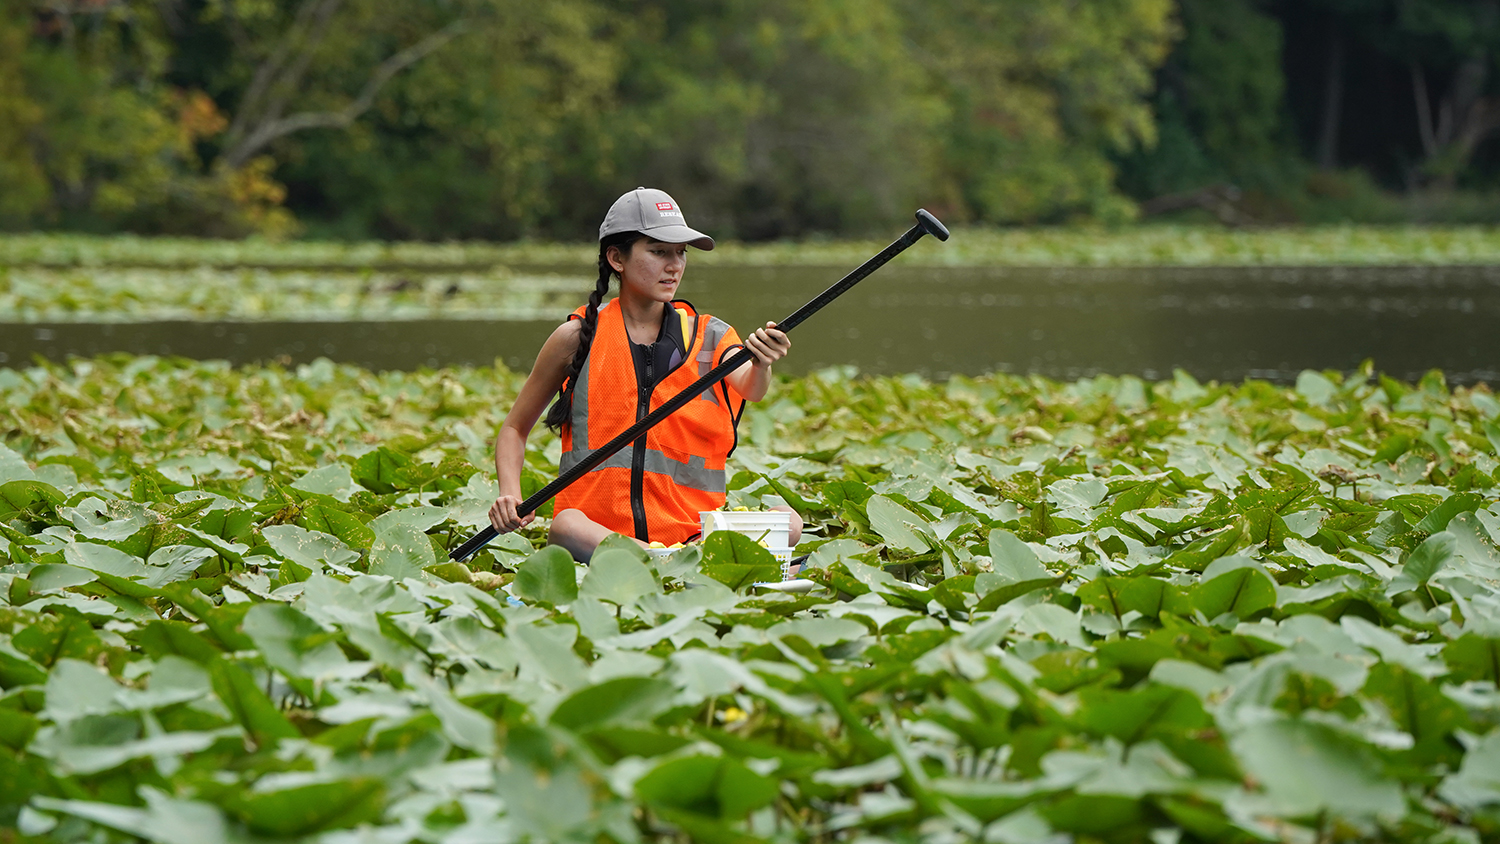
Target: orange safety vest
[654,488]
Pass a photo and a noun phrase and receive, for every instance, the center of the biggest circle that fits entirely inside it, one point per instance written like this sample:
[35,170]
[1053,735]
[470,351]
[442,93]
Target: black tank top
[654,360]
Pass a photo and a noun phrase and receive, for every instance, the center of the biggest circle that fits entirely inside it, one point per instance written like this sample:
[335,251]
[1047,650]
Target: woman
[609,366]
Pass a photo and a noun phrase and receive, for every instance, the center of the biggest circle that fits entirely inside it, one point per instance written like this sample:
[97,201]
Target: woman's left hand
[768,344]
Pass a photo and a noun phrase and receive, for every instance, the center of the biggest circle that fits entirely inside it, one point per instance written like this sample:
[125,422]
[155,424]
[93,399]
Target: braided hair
[561,411]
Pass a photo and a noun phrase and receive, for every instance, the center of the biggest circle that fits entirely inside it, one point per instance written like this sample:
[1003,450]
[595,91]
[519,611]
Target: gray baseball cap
[654,214]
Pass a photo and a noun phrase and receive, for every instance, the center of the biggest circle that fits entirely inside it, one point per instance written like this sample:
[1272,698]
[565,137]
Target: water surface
[1224,323]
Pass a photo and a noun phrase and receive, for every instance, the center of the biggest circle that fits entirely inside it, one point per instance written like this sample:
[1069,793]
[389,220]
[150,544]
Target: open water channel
[1223,323]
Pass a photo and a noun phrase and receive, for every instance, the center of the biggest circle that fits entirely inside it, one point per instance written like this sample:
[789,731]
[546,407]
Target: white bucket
[772,528]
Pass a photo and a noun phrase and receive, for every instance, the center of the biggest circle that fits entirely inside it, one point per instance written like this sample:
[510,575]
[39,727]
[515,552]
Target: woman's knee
[567,521]
[795,535]
[569,530]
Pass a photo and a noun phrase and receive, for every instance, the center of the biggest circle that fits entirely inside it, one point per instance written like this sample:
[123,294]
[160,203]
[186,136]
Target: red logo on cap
[664,206]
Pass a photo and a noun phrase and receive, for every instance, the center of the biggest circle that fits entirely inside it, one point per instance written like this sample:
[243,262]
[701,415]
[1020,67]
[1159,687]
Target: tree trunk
[1333,101]
[261,116]
[1465,116]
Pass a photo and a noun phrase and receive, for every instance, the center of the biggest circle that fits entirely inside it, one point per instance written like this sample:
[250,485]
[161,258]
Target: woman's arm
[510,444]
[768,345]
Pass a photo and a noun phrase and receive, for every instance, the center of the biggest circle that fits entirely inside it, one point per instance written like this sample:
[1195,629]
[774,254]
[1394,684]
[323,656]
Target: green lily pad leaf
[379,471]
[343,526]
[713,787]
[464,726]
[621,701]
[162,639]
[952,592]
[1441,515]
[1104,593]
[1241,591]
[17,728]
[49,576]
[616,743]
[548,576]
[401,550]
[1424,561]
[311,807]
[737,561]
[1476,785]
[293,643]
[1013,560]
[21,496]
[452,572]
[76,689]
[417,518]
[13,467]
[1058,623]
[1316,388]
[108,754]
[792,499]
[997,591]
[175,562]
[61,637]
[333,480]
[261,719]
[618,576]
[1392,447]
[1203,551]
[102,558]
[1304,767]
[821,632]
[1151,596]
[898,526]
[1093,814]
[1140,713]
[308,548]
[1419,708]
[165,820]
[153,536]
[1474,657]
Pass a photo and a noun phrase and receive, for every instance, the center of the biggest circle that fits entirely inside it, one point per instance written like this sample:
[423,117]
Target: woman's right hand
[503,515]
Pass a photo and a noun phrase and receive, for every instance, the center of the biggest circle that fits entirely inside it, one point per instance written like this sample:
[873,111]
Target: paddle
[926,224]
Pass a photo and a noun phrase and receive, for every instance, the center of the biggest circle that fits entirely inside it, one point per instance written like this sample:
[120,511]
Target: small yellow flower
[733,714]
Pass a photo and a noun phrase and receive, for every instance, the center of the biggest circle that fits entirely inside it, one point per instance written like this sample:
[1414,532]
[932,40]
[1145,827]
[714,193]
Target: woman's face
[651,269]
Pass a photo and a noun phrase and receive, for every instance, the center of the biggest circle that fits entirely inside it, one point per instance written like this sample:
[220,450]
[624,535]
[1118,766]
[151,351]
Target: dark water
[1216,323]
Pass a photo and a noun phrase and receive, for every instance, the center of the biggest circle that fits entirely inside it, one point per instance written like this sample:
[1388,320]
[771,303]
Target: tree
[771,119]
[1220,108]
[495,119]
[298,55]
[23,185]
[1039,95]
[506,131]
[99,141]
[1456,44]
[1434,57]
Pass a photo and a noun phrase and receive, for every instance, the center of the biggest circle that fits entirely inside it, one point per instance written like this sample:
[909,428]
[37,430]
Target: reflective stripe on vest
[713,335]
[694,473]
[682,463]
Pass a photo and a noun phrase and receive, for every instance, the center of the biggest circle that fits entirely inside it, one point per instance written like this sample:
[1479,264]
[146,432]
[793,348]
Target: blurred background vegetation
[501,119]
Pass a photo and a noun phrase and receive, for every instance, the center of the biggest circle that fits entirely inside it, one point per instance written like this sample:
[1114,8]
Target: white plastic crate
[772,528]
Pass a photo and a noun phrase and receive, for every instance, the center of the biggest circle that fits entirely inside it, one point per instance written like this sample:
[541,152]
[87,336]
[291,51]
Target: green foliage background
[767,119]
[489,119]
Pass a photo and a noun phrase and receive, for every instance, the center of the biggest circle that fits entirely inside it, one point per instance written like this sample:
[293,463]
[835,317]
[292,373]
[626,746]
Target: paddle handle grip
[926,224]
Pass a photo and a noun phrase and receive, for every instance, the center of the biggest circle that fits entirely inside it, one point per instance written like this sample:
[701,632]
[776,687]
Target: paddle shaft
[926,224]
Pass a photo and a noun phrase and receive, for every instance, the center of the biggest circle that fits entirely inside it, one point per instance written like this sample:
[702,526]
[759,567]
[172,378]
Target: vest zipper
[638,454]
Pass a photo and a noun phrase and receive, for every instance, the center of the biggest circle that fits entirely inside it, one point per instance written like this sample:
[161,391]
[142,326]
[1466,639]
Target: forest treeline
[497,119]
